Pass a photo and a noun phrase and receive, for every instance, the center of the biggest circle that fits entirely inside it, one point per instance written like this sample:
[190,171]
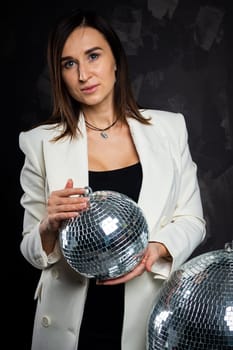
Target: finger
[149,263]
[56,220]
[61,202]
[69,183]
[69,191]
[67,208]
[123,279]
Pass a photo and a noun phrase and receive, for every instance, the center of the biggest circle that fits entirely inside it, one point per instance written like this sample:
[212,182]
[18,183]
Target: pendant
[104,135]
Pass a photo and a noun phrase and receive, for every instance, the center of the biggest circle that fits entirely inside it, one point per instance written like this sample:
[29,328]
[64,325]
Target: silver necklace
[102,131]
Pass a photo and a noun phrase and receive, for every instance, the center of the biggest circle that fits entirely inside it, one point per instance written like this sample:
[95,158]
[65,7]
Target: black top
[104,309]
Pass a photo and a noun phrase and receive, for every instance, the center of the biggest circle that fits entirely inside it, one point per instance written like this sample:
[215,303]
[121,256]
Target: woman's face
[88,67]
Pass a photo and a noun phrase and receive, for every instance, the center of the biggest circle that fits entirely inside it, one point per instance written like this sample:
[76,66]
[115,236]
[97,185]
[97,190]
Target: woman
[98,136]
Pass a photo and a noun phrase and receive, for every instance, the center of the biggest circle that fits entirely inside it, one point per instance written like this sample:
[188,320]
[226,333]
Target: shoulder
[166,122]
[165,118]
[40,132]
[34,138]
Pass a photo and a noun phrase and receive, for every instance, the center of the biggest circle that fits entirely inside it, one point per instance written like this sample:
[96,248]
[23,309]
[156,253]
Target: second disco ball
[194,309]
[108,239]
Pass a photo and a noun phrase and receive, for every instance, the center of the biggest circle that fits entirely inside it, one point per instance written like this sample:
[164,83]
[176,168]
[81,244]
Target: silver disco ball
[194,309]
[108,239]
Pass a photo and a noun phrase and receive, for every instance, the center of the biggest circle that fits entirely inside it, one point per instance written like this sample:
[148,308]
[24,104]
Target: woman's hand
[62,204]
[153,252]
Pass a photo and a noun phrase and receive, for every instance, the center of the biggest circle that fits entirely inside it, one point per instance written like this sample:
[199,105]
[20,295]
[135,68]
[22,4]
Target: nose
[83,72]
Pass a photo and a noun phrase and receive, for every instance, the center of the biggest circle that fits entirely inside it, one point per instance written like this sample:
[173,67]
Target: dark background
[180,57]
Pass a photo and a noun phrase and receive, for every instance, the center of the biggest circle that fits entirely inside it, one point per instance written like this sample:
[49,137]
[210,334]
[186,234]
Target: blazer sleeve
[185,228]
[33,200]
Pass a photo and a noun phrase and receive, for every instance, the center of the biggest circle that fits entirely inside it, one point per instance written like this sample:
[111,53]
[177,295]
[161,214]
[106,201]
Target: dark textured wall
[180,58]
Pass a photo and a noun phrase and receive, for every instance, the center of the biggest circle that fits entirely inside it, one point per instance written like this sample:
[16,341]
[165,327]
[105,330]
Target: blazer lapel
[158,170]
[67,159]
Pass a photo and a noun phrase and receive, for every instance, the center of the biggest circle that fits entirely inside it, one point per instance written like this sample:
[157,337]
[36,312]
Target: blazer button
[45,321]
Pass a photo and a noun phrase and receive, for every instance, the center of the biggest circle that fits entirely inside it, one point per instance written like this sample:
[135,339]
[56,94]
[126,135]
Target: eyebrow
[87,52]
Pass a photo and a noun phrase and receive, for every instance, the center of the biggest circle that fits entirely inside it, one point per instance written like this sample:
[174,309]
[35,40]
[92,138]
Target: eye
[93,56]
[69,64]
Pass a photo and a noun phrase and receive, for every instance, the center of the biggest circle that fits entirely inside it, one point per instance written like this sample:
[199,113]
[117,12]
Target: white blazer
[169,198]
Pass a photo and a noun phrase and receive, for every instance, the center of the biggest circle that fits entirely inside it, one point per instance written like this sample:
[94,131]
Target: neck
[102,131]
[101,115]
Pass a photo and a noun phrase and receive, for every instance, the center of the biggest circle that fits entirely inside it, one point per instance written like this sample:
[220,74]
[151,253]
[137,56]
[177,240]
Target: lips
[89,89]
